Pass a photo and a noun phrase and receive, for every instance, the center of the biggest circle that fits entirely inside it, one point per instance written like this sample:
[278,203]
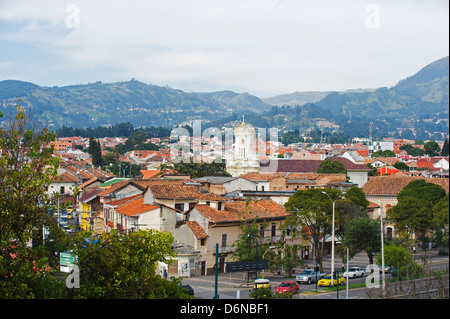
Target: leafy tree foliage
[386,153]
[432,148]
[117,130]
[411,150]
[27,167]
[123,266]
[414,210]
[95,150]
[445,151]
[401,166]
[328,166]
[401,260]
[430,194]
[362,234]
[138,141]
[195,170]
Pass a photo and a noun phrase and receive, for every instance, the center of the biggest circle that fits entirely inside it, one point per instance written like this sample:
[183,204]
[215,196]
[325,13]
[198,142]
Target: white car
[354,272]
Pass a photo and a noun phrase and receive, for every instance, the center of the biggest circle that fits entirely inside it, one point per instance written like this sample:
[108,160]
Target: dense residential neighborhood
[202,211]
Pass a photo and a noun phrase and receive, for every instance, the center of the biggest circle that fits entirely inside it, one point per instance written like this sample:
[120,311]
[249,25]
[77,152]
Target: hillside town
[202,211]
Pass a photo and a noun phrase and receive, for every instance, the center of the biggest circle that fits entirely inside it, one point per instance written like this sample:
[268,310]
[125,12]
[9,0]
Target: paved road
[230,283]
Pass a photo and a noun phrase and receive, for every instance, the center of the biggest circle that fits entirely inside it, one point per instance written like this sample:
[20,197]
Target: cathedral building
[244,158]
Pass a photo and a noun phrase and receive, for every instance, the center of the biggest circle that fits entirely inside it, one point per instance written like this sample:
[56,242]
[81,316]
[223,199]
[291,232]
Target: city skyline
[265,48]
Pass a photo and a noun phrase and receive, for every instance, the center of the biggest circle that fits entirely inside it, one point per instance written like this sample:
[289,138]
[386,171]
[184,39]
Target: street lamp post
[271,247]
[332,239]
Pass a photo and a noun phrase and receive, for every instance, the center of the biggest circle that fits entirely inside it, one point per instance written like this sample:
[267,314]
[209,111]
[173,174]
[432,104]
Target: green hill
[132,101]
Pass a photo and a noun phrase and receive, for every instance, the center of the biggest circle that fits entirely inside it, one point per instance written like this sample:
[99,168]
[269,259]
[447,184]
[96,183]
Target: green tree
[196,170]
[401,260]
[441,219]
[445,151]
[401,166]
[246,246]
[96,152]
[311,216]
[328,166]
[124,266]
[138,141]
[411,150]
[414,210]
[412,215]
[431,148]
[363,234]
[430,194]
[27,168]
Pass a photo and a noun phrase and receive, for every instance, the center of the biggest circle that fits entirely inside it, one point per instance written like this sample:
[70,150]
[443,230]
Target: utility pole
[332,238]
[216,270]
[383,275]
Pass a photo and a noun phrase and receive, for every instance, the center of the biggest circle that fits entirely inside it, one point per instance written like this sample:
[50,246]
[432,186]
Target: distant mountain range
[418,103]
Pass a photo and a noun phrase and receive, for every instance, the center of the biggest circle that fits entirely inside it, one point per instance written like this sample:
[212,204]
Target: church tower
[244,158]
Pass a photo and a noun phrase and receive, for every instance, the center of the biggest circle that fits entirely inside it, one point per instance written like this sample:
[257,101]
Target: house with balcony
[88,206]
[205,226]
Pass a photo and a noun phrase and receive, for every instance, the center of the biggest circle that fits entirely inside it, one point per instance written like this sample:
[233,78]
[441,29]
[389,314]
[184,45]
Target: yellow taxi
[70,210]
[326,281]
[261,283]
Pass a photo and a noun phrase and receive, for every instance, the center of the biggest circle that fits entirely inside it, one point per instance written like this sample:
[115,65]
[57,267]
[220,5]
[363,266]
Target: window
[61,190]
[180,207]
[202,241]
[219,206]
[224,240]
[274,229]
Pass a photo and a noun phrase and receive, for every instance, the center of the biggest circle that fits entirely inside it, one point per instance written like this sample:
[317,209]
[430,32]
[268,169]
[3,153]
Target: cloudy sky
[264,47]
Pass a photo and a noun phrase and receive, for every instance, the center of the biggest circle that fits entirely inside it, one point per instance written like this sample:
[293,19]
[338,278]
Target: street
[234,285]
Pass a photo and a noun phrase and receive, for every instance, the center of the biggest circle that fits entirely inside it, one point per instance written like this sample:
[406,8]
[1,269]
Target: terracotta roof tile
[215,215]
[212,197]
[155,181]
[305,166]
[392,185]
[114,187]
[239,211]
[197,229]
[93,179]
[65,178]
[175,191]
[124,200]
[147,174]
[135,207]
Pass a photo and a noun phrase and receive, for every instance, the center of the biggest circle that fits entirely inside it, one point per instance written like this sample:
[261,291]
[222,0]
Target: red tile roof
[239,211]
[135,207]
[174,191]
[306,166]
[392,185]
[197,230]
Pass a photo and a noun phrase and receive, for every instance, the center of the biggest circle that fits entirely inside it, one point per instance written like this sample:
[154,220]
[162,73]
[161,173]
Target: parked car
[189,290]
[288,286]
[387,269]
[309,276]
[354,272]
[261,283]
[326,281]
[63,220]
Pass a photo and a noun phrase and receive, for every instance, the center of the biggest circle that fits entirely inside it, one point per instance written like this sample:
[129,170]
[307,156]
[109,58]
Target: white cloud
[261,46]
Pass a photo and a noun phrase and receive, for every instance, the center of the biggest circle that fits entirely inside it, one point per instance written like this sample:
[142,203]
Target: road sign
[66,261]
[246,265]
